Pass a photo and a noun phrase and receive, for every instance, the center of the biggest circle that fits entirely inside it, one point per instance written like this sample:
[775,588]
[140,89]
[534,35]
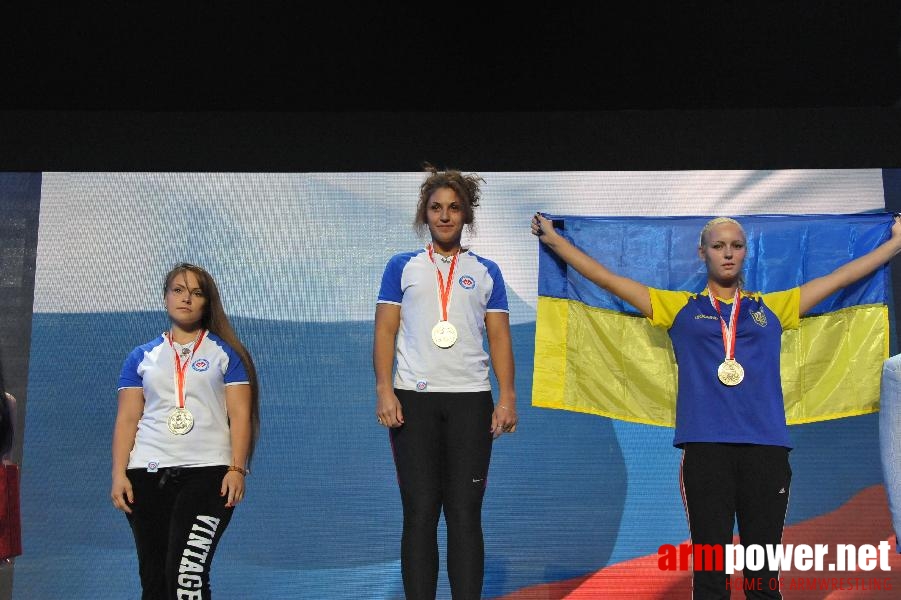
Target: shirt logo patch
[421,385]
[703,316]
[467,282]
[200,365]
[153,466]
[759,317]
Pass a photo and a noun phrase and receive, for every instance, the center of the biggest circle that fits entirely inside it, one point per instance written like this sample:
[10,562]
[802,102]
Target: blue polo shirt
[707,410]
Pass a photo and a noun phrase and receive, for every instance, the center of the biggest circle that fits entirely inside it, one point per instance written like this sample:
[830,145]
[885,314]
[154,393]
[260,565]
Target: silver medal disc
[180,421]
[444,334]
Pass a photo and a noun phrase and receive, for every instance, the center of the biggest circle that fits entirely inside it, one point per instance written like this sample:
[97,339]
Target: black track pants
[177,520]
[442,453]
[725,482]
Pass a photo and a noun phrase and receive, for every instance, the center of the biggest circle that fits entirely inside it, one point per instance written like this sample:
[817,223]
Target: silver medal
[180,421]
[444,334]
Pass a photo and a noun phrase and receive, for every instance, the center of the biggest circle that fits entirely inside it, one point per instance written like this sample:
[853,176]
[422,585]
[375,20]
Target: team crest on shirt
[759,317]
[200,365]
[467,282]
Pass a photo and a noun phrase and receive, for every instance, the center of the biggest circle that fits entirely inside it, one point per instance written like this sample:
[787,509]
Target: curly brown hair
[466,186]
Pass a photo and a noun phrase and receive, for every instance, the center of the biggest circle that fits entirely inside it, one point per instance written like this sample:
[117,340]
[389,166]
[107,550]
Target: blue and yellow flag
[596,354]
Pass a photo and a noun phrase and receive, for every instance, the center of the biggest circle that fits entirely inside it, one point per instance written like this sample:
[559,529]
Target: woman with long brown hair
[187,422]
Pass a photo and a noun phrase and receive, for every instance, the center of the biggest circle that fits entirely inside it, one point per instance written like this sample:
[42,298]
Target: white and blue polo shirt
[212,367]
[410,281]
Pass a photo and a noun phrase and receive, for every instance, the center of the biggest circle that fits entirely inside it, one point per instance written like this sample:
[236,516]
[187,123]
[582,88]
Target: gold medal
[730,372]
[180,421]
[444,334]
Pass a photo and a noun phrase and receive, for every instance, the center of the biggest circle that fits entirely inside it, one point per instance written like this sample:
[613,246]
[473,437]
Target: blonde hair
[718,221]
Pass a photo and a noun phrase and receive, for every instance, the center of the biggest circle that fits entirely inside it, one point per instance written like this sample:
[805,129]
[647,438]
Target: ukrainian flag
[596,354]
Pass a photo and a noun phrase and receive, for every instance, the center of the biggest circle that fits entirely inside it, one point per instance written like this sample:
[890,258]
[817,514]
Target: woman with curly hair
[434,306]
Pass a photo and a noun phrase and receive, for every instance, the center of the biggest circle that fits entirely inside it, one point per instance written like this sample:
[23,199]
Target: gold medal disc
[730,372]
[444,334]
[180,421]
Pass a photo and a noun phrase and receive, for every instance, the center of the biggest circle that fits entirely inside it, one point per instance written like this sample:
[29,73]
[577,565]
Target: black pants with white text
[177,520]
[442,452]
[725,483]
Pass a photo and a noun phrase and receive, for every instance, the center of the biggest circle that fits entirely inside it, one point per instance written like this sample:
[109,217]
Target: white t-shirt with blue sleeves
[410,281]
[212,367]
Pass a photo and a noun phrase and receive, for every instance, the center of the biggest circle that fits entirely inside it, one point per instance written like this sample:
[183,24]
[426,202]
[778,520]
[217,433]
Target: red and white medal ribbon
[180,420]
[444,334]
[729,371]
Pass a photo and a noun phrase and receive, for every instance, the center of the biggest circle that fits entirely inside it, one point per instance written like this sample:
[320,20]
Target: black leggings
[725,482]
[442,453]
[177,520]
